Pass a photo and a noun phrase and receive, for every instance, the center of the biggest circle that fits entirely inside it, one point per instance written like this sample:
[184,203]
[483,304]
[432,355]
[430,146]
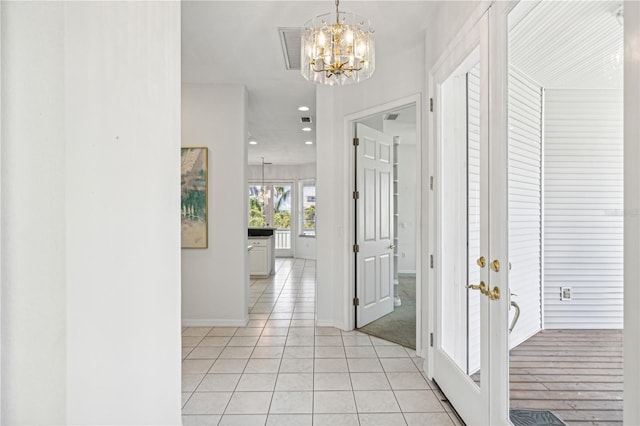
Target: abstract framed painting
[194,204]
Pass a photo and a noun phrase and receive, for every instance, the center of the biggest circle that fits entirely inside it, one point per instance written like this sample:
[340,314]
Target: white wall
[583,201]
[304,246]
[333,239]
[91,313]
[215,281]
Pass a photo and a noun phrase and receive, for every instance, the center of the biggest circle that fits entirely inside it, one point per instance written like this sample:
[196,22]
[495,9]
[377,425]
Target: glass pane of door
[308,205]
[473,221]
[461,218]
[282,215]
[257,203]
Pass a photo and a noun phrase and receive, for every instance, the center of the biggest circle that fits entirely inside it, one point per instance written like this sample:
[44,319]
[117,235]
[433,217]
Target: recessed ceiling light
[309,143]
[306,129]
[303,108]
[253,143]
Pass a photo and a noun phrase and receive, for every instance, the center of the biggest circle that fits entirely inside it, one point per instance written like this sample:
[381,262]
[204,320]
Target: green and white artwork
[194,197]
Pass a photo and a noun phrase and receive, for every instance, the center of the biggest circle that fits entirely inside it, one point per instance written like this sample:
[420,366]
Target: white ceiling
[558,44]
[568,44]
[238,42]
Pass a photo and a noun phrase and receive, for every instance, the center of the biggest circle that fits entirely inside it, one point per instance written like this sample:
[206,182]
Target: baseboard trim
[324,323]
[212,322]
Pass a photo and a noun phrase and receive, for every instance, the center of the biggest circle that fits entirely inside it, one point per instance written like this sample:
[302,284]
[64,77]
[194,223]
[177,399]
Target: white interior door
[374,270]
[470,339]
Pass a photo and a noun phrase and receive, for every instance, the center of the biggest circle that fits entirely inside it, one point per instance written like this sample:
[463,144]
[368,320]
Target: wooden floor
[577,374]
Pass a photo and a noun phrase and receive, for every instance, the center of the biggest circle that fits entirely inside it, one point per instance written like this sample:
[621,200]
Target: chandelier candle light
[338,49]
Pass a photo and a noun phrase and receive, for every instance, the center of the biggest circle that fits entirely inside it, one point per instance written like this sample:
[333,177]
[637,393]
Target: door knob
[495,265]
[493,294]
[482,262]
[392,246]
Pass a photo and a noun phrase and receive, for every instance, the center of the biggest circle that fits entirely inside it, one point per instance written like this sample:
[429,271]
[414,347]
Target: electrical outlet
[565,293]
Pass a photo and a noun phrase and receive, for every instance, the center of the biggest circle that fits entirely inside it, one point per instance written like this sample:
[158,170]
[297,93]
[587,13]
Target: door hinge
[356,195]
[431,104]
[356,301]
[356,142]
[356,248]
[431,182]
[431,339]
[431,261]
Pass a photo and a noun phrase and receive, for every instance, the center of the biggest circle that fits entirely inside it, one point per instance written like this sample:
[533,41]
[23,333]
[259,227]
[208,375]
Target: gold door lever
[491,294]
[482,287]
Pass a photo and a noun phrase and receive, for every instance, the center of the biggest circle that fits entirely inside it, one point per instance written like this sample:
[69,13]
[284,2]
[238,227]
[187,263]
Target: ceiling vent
[290,39]
[305,119]
[391,117]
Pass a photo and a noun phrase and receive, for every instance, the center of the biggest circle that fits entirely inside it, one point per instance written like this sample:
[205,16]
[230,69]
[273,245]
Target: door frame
[348,134]
[631,406]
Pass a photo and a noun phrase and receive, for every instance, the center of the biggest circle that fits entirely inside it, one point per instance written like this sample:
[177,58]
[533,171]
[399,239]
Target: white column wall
[331,210]
[33,215]
[122,123]
[215,281]
[90,180]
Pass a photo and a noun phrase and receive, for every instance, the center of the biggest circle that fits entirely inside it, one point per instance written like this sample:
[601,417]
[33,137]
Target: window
[308,208]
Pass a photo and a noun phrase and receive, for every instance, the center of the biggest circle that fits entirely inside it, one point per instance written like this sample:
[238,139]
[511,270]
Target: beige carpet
[400,325]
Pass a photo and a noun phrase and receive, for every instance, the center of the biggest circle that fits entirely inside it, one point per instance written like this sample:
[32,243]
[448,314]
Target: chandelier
[337,49]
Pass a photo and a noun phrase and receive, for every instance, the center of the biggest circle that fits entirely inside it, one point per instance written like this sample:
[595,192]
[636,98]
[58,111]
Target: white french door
[271,205]
[470,344]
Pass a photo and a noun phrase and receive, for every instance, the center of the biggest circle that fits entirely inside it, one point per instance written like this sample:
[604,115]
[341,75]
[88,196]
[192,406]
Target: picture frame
[194,205]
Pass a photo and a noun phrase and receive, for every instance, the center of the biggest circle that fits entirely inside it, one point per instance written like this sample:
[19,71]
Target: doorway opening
[565,102]
[386,225]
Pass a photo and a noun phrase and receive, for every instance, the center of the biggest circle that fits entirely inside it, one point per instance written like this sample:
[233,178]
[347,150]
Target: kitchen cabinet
[262,256]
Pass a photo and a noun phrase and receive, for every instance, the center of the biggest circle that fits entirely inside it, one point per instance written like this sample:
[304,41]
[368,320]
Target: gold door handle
[482,287]
[495,265]
[491,294]
[482,262]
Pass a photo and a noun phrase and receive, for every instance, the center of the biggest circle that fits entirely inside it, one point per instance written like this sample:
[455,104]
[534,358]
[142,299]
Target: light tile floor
[281,370]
